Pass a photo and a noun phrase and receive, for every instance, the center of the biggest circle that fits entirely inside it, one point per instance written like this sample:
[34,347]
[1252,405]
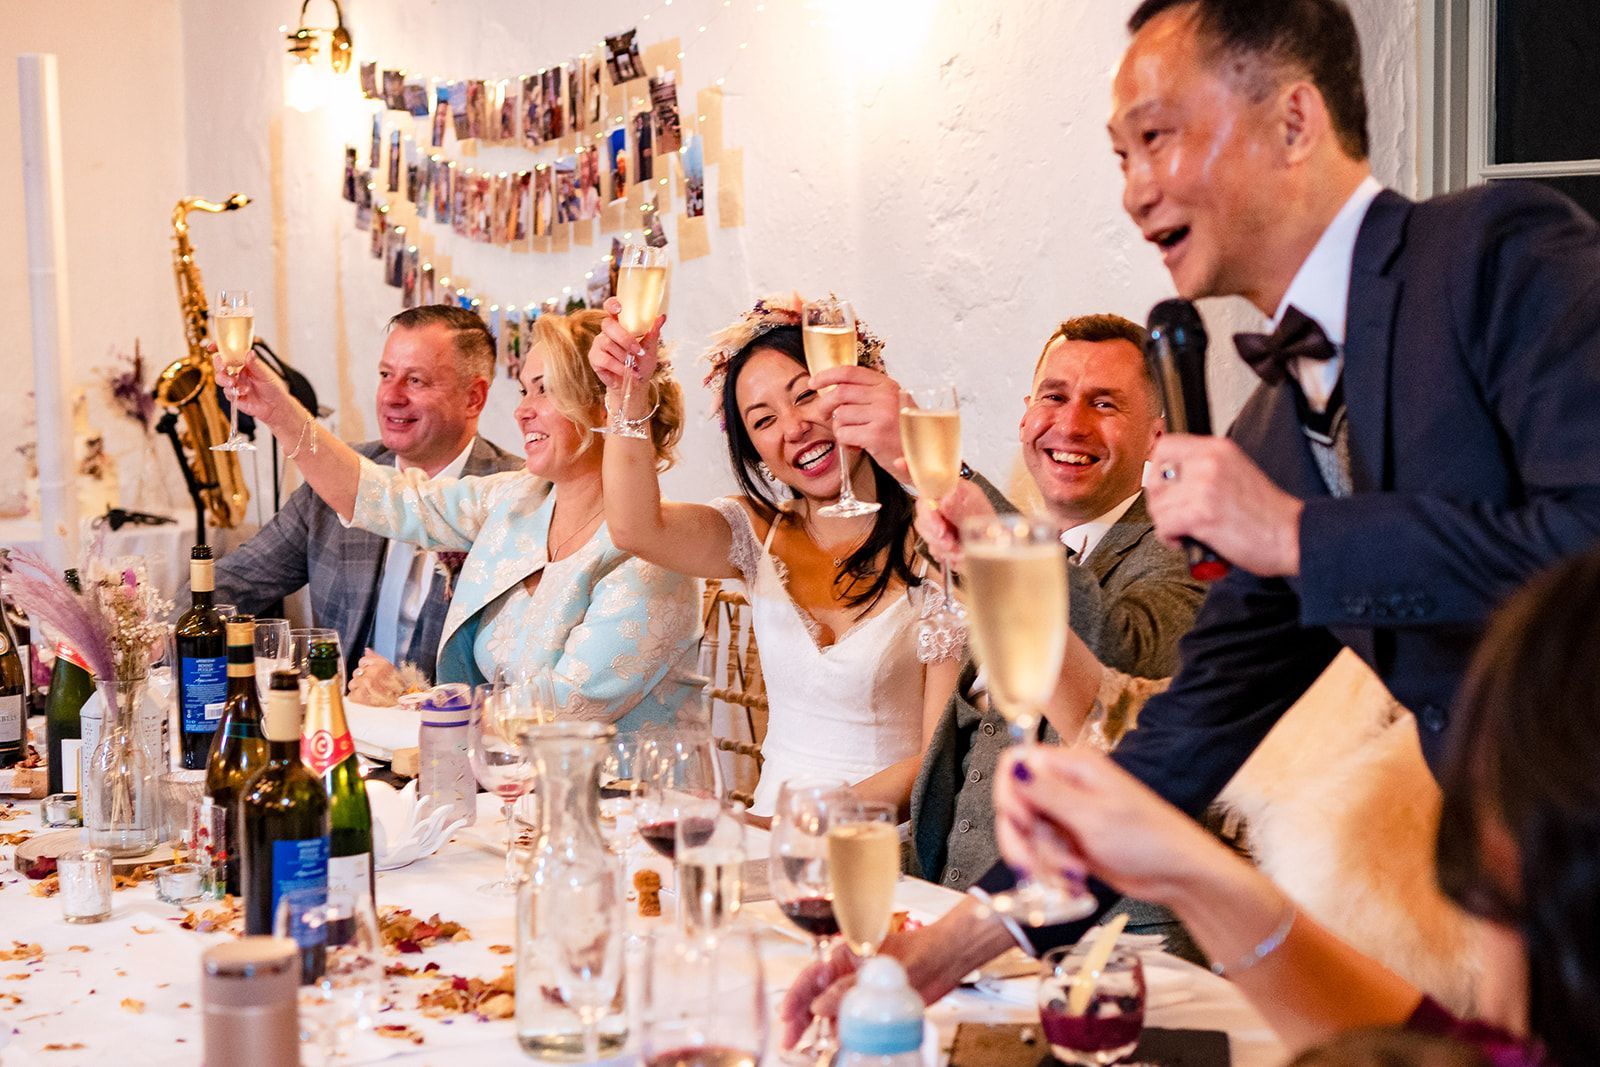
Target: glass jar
[120,810]
[574,883]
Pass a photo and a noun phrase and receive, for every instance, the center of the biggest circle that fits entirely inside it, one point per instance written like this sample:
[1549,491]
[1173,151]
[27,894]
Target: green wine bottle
[239,749]
[283,815]
[202,671]
[70,686]
[13,696]
[327,749]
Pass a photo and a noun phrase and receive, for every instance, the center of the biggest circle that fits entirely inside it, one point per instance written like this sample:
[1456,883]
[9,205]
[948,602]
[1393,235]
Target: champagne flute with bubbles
[863,867]
[641,284]
[828,329]
[930,436]
[1016,573]
[233,322]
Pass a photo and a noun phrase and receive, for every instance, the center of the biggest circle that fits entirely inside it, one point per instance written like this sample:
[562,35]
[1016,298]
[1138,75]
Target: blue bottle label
[298,864]
[205,691]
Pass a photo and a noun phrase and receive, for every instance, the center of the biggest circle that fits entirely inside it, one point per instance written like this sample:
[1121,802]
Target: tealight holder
[182,883]
[59,809]
[85,882]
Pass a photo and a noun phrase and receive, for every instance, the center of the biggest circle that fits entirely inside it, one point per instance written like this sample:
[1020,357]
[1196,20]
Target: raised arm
[688,538]
[331,467]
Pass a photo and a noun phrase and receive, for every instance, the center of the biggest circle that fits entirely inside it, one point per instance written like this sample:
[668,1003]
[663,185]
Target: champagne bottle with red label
[327,749]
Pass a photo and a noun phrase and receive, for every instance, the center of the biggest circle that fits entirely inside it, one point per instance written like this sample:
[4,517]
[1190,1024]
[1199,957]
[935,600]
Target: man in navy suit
[1426,436]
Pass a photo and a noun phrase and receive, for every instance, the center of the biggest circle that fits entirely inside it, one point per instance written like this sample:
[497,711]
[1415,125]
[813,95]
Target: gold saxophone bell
[188,385]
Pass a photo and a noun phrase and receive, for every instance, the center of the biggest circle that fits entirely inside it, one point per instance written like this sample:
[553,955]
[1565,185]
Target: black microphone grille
[1179,322]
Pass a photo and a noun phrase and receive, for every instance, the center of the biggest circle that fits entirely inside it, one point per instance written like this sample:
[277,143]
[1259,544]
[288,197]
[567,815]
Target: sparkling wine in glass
[801,886]
[1016,572]
[709,866]
[863,867]
[828,330]
[501,765]
[233,324]
[930,436]
[1091,1018]
[704,1000]
[641,285]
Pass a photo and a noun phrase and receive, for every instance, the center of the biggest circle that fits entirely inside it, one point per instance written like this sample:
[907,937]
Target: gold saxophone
[188,385]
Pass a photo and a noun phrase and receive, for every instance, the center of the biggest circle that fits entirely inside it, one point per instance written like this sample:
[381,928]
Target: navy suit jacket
[1472,384]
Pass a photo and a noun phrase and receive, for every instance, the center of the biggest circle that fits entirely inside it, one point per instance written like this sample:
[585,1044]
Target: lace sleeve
[939,638]
[1117,705]
[744,550]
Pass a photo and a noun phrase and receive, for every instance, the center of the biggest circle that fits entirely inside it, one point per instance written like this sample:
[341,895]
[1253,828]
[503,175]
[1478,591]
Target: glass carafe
[574,884]
[119,809]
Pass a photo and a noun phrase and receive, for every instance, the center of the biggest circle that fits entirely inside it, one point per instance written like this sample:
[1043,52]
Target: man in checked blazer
[433,380]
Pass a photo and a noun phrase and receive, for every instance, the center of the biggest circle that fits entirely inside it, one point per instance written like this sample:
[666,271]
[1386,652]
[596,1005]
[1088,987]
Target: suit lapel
[1118,541]
[1369,334]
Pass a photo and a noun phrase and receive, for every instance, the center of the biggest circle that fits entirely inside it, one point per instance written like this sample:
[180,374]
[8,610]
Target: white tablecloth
[72,996]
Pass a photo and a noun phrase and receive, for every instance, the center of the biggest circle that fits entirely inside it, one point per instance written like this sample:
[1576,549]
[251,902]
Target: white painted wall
[942,163]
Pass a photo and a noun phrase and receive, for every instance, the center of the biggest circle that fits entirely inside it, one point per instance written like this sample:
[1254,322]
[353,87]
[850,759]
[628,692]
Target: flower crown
[768,314]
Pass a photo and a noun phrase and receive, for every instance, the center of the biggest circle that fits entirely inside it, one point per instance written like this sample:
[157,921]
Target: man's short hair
[474,343]
[1315,39]
[1098,328]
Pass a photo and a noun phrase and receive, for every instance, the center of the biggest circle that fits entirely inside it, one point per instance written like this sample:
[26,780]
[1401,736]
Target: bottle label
[300,863]
[205,691]
[322,751]
[70,749]
[351,873]
[10,717]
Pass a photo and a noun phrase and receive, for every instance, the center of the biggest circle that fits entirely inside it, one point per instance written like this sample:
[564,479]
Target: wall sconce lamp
[308,85]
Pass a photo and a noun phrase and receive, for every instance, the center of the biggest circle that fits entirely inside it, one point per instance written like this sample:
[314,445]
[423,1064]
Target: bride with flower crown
[835,602]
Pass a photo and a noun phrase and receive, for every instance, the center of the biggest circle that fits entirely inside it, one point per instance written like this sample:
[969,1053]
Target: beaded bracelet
[1270,944]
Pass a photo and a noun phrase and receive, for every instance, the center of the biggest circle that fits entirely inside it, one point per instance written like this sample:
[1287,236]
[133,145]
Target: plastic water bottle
[445,771]
[880,1021]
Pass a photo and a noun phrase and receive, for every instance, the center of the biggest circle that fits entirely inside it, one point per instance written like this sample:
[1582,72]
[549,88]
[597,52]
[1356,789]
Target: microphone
[1176,352]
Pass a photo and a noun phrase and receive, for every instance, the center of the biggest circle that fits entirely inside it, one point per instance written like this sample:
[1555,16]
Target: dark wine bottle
[13,696]
[283,815]
[202,676]
[70,686]
[239,747]
[328,750]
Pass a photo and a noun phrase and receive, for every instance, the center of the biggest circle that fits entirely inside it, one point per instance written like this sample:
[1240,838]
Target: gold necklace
[555,550]
[810,530]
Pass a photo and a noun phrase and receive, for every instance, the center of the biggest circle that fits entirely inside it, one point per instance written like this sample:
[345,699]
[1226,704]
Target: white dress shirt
[404,601]
[1321,290]
[1085,537]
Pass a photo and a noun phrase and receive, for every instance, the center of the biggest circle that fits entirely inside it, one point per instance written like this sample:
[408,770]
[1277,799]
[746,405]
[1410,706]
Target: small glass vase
[120,809]
[574,883]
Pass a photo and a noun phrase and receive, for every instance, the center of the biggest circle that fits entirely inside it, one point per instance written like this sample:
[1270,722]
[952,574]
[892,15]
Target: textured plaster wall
[943,163]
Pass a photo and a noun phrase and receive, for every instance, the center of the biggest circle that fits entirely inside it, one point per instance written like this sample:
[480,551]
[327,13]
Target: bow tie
[1297,337]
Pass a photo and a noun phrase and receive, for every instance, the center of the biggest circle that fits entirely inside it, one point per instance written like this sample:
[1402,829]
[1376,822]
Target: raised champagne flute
[801,886]
[1016,574]
[233,322]
[828,329]
[863,867]
[930,436]
[641,283]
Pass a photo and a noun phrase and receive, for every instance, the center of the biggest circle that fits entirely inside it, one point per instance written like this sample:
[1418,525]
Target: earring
[766,471]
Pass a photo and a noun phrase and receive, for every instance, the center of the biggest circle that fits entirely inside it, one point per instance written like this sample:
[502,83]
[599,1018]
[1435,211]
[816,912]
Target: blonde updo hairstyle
[577,392]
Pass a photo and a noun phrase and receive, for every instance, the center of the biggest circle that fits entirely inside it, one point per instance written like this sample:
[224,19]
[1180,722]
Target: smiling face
[1089,427]
[551,442]
[1205,174]
[781,415]
[427,408]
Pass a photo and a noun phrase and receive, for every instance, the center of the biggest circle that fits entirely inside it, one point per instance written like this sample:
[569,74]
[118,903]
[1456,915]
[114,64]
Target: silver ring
[1168,472]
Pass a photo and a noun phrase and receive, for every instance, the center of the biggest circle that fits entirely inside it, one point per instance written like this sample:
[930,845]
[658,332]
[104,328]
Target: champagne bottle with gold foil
[283,815]
[240,748]
[328,750]
[202,674]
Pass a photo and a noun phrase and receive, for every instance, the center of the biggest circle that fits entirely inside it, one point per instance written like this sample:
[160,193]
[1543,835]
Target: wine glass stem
[627,388]
[847,492]
[591,1036]
[506,810]
[949,591]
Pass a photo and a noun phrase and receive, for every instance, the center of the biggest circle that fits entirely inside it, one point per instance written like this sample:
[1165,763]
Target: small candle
[60,809]
[180,883]
[85,877]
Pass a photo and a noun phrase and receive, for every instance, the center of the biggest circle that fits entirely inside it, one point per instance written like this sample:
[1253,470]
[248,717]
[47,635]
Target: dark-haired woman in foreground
[834,601]
[1519,846]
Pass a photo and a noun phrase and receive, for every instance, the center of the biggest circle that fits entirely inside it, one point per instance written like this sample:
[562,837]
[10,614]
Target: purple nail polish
[1020,772]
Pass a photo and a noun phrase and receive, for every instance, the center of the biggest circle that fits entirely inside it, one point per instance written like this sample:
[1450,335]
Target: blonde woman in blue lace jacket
[542,584]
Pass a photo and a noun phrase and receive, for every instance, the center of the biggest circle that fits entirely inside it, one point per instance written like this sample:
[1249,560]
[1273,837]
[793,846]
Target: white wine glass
[301,641]
[828,329]
[930,436]
[272,651]
[704,1000]
[641,284]
[233,321]
[620,785]
[1016,573]
[863,867]
[495,729]
[709,865]
[798,869]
